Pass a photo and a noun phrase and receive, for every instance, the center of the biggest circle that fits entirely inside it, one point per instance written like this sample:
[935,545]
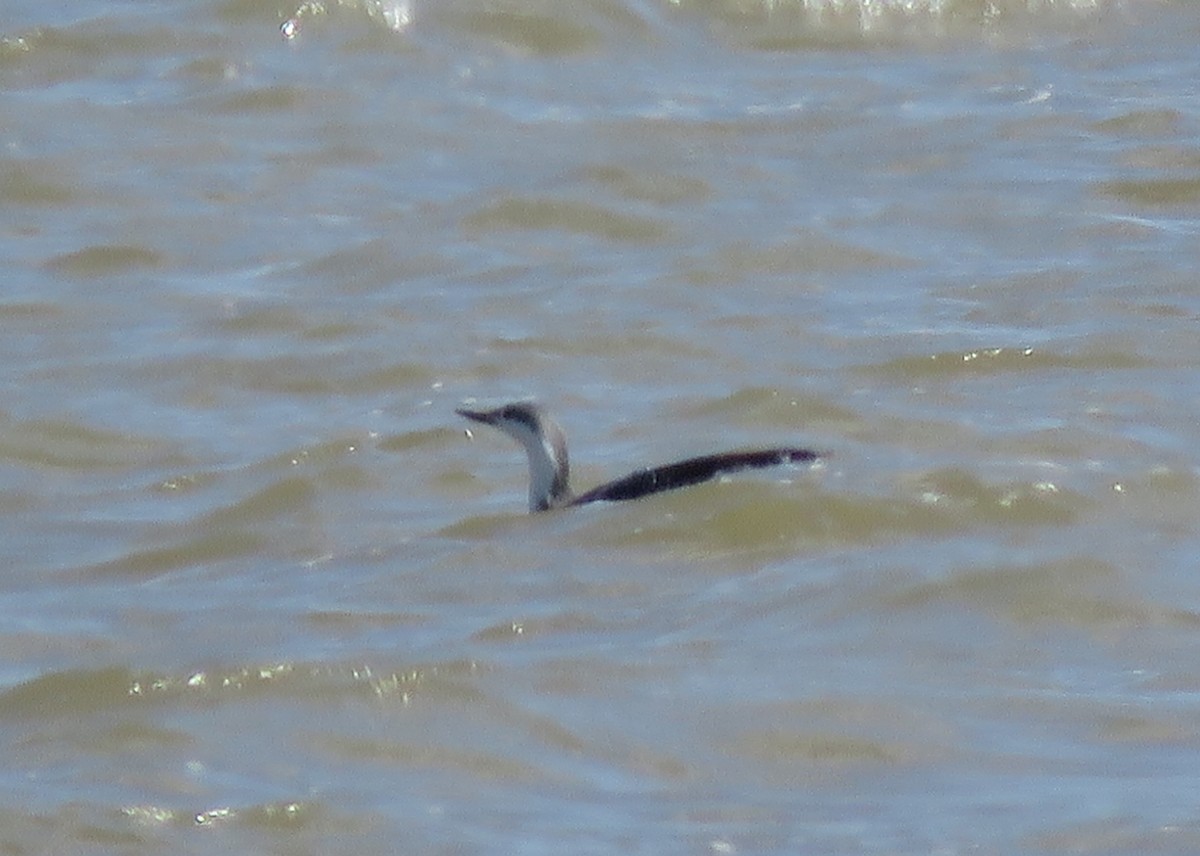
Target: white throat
[544,472]
[549,469]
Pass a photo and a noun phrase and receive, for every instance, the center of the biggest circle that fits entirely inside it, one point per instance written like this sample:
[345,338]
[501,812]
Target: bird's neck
[549,470]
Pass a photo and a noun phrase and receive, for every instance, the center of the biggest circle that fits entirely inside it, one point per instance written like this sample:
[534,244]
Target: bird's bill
[487,417]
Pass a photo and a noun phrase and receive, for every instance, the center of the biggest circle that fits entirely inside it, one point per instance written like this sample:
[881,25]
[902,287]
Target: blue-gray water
[262,593]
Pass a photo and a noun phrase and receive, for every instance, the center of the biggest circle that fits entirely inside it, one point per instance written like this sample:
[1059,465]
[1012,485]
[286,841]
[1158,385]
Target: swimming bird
[545,444]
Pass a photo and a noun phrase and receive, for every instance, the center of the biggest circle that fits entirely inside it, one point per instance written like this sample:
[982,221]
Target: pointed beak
[487,417]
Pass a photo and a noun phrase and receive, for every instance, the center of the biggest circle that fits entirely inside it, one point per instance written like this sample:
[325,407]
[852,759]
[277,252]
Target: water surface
[262,593]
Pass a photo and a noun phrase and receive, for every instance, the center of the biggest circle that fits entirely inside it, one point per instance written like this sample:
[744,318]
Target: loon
[549,470]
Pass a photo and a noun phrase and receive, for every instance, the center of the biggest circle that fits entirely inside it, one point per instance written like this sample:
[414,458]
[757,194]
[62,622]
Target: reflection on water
[259,585]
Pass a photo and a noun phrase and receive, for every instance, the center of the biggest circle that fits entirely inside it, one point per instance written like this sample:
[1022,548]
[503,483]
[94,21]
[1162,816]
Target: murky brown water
[262,594]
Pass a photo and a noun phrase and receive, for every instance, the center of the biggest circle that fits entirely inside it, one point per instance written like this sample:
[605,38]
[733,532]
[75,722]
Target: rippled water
[262,593]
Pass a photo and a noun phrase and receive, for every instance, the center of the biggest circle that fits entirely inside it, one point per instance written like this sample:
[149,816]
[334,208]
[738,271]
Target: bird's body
[545,444]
